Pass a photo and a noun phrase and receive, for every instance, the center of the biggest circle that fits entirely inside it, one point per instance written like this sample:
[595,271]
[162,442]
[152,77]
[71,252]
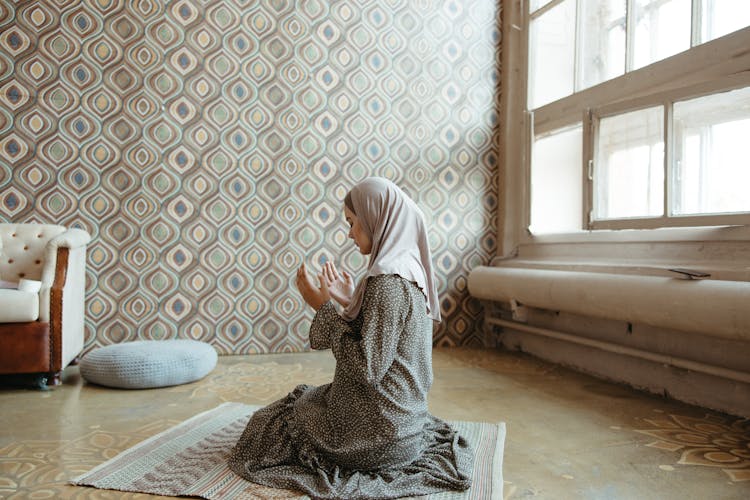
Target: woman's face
[358,233]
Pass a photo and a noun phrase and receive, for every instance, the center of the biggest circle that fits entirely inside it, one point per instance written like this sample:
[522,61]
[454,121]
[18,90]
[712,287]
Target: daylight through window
[665,121]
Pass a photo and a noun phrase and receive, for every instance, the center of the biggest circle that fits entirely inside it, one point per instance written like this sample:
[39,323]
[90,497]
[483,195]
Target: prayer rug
[190,459]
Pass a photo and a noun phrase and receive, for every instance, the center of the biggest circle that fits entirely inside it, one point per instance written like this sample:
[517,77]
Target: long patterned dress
[367,434]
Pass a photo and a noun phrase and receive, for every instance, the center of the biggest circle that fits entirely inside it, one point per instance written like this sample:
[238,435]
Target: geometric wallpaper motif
[207,147]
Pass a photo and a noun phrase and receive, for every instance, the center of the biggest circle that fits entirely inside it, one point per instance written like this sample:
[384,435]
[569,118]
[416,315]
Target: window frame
[667,100]
[719,65]
[590,159]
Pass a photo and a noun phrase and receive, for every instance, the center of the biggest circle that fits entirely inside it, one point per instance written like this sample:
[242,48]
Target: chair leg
[54,378]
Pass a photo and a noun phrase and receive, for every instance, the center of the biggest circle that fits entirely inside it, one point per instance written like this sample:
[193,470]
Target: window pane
[602,40]
[662,29]
[629,165]
[556,177]
[721,17]
[552,54]
[712,154]
[537,4]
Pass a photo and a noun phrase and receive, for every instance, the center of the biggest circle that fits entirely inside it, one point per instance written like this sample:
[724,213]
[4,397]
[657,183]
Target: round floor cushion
[145,364]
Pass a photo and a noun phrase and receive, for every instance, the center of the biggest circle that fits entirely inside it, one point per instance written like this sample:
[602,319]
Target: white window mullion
[629,35]
[577,51]
[529,154]
[669,152]
[588,136]
[696,23]
[675,180]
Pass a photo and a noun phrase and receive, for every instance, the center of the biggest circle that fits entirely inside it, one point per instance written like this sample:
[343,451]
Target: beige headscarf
[399,240]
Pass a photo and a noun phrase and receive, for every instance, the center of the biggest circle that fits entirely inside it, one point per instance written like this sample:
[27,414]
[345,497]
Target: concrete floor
[570,436]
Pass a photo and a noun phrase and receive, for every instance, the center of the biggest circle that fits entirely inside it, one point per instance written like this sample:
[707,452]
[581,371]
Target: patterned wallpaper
[207,147]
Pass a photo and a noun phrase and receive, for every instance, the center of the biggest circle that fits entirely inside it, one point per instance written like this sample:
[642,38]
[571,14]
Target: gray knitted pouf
[145,364]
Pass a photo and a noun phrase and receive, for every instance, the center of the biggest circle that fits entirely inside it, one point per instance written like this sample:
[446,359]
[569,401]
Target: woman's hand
[314,297]
[340,286]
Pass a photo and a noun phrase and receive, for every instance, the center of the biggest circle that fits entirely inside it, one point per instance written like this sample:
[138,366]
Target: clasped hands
[339,287]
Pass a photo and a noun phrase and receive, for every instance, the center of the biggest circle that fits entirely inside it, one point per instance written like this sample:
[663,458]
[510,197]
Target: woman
[367,434]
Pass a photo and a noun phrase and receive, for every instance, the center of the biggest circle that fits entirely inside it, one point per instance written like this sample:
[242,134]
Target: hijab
[397,229]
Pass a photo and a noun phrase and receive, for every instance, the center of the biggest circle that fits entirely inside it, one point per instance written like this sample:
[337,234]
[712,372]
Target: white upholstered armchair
[42,331]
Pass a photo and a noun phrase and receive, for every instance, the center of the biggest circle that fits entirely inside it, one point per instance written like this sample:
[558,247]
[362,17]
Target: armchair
[42,332]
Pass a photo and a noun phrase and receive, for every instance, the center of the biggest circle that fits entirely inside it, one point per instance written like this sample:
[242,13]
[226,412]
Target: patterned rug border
[100,476]
[156,437]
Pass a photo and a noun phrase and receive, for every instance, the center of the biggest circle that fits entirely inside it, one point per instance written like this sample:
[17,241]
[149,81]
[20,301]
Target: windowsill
[671,234]
[722,252]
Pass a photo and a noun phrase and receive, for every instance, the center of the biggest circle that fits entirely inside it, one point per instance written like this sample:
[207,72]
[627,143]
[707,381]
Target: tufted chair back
[23,250]
[42,332]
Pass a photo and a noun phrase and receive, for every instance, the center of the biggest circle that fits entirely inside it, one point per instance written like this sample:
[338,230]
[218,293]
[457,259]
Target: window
[638,108]
[721,17]
[553,36]
[557,185]
[602,41]
[712,154]
[629,180]
[661,28]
